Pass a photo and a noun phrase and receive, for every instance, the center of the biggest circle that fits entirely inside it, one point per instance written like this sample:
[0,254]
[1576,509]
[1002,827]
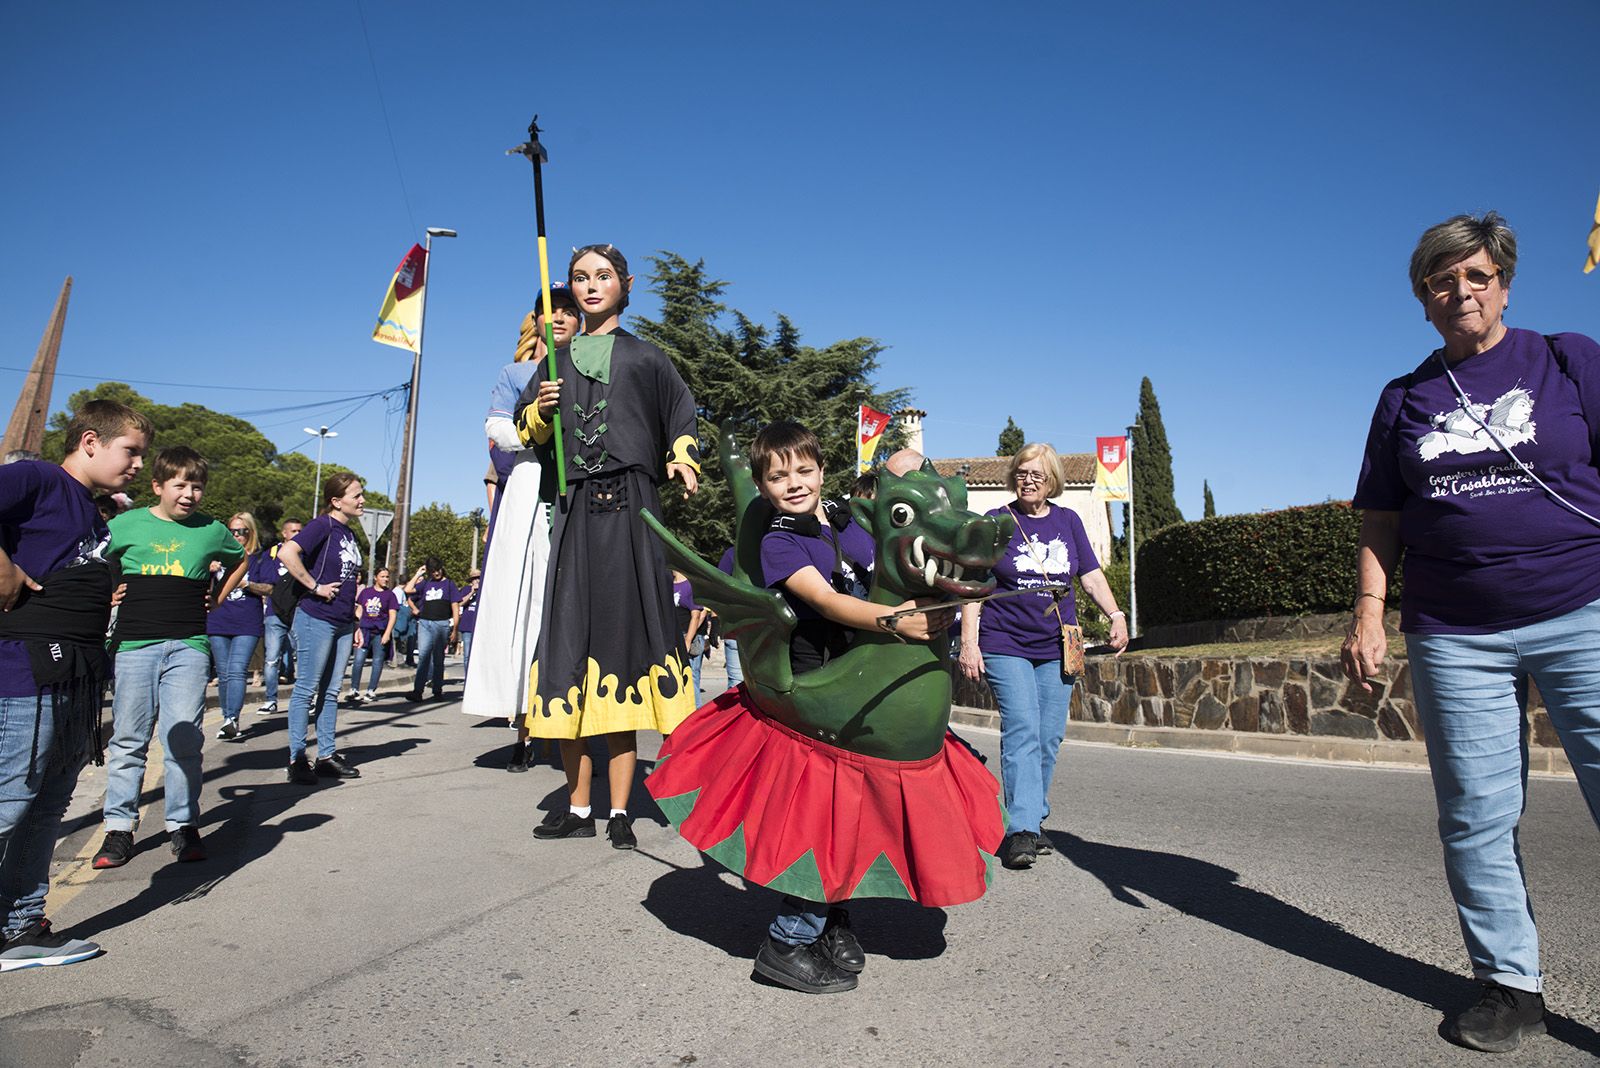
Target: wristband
[1374,596]
[1118,612]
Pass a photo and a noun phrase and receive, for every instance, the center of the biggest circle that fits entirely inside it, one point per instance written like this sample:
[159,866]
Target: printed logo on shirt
[1462,430]
[1041,558]
[349,558]
[90,550]
[170,564]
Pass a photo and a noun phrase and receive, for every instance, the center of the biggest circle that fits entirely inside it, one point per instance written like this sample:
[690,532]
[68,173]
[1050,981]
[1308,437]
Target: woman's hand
[685,474]
[922,627]
[325,591]
[358,643]
[1365,646]
[971,660]
[1119,633]
[549,398]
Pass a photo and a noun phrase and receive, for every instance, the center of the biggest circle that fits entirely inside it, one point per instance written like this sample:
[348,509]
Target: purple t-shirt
[468,621]
[1053,544]
[48,521]
[375,606]
[433,599]
[784,552]
[241,612]
[330,553]
[1484,547]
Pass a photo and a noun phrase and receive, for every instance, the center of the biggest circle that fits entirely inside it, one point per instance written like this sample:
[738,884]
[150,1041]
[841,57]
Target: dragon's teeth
[930,571]
[918,556]
[957,572]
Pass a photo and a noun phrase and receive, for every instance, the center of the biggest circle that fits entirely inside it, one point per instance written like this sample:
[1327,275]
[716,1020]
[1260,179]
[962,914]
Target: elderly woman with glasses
[1016,641]
[235,627]
[1480,473]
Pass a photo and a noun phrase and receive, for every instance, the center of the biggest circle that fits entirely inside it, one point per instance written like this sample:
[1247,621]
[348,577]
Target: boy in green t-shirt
[167,554]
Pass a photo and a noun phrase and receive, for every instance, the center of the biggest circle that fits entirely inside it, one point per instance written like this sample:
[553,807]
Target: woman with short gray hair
[1480,471]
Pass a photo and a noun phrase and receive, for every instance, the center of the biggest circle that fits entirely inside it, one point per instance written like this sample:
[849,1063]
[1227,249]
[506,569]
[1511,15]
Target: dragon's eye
[901,514]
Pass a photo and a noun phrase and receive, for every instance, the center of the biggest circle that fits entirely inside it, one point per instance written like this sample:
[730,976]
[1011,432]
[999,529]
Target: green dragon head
[929,544]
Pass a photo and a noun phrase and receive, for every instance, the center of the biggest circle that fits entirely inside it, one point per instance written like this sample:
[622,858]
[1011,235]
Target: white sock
[619,812]
[581,812]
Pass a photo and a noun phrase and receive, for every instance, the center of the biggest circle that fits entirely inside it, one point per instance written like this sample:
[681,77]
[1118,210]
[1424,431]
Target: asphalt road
[1201,910]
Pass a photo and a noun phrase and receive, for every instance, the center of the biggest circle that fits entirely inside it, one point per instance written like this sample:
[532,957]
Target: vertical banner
[400,318]
[870,426]
[1110,469]
[1594,243]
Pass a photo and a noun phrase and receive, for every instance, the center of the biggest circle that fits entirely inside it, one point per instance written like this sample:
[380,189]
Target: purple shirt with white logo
[433,599]
[1485,548]
[1044,549]
[375,606]
[241,613]
[329,551]
[468,621]
[785,552]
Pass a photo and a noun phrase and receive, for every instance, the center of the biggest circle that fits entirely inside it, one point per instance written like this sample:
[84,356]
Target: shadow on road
[699,903]
[1212,893]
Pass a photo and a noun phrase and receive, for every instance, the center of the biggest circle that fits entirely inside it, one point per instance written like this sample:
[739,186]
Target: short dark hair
[432,563]
[109,420]
[782,438]
[866,486]
[180,461]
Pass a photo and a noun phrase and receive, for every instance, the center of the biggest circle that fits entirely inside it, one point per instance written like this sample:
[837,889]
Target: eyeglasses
[238,532]
[1027,478]
[1443,283]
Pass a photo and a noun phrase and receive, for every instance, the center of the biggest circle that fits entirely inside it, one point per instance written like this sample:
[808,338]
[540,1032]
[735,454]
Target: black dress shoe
[839,942]
[803,968]
[300,772]
[415,697]
[334,768]
[565,825]
[519,757]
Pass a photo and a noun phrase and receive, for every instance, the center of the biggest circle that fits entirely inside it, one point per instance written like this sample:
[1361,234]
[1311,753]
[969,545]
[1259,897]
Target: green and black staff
[536,156]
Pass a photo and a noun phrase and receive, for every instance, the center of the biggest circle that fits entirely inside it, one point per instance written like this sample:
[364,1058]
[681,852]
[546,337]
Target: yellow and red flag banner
[400,318]
[870,426]
[1111,469]
[1594,242]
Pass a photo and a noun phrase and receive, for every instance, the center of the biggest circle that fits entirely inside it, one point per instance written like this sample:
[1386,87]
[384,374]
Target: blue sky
[1032,207]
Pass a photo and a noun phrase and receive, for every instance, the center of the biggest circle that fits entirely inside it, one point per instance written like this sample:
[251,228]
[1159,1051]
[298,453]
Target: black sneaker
[1018,850]
[415,697]
[332,767]
[1042,844]
[803,968]
[566,825]
[36,947]
[116,851]
[1500,1019]
[186,845]
[620,830]
[840,944]
[229,731]
[300,772]
[519,757]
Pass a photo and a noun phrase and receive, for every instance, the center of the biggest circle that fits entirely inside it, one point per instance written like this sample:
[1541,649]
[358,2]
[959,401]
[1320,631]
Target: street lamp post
[1133,551]
[322,436]
[400,544]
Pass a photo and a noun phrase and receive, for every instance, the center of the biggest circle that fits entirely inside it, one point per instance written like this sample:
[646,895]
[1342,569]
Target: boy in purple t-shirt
[55,602]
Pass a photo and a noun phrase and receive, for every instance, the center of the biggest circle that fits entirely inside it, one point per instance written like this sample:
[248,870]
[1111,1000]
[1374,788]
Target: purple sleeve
[1380,485]
[19,486]
[390,602]
[725,565]
[1582,357]
[783,554]
[311,538]
[1082,551]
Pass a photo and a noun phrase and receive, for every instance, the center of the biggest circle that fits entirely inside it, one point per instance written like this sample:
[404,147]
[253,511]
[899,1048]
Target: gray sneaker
[36,947]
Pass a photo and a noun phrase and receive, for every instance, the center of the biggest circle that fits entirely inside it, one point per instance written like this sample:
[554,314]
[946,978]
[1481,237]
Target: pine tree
[1153,501]
[749,376]
[1211,505]
[1012,439]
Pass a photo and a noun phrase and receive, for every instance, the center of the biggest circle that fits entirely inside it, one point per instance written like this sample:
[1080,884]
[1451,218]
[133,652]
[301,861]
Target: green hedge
[1285,563]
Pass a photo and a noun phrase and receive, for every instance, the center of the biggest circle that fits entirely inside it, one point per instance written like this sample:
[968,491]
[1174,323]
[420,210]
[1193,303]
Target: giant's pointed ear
[629,285]
[861,510]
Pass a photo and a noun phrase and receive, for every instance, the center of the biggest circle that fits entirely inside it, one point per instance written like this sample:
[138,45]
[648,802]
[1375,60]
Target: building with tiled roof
[987,488]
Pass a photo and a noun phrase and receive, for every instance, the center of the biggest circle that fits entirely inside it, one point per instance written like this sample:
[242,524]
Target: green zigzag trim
[677,809]
[801,879]
[882,880]
[730,851]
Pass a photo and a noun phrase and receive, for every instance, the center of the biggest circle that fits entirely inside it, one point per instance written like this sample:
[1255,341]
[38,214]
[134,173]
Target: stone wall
[1264,628]
[1297,695]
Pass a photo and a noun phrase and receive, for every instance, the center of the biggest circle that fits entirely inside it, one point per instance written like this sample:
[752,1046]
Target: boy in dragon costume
[831,774]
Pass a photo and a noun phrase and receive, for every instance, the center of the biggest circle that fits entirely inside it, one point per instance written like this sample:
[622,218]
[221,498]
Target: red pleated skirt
[824,824]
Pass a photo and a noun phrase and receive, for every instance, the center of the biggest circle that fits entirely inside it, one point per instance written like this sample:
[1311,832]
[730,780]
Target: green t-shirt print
[142,543]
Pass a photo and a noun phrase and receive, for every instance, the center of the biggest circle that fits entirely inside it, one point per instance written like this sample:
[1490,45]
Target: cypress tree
[1153,501]
[1012,439]
[1211,505]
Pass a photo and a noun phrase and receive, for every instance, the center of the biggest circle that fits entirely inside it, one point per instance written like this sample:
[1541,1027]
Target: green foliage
[248,474]
[1012,439]
[438,531]
[751,375]
[1211,505]
[1154,505]
[1239,566]
[1096,627]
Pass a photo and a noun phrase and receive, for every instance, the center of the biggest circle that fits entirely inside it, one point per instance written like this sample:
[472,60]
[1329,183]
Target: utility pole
[1133,549]
[32,413]
[400,543]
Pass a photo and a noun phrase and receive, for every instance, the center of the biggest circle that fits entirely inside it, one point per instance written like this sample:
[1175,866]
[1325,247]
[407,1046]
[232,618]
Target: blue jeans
[432,636]
[1471,690]
[279,654]
[1033,702]
[31,807]
[321,651]
[231,653]
[694,668]
[370,646]
[730,650]
[160,687]
[798,922]
[466,650]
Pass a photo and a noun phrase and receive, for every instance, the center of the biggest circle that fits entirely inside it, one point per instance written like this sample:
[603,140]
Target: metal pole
[1133,550]
[402,537]
[316,481]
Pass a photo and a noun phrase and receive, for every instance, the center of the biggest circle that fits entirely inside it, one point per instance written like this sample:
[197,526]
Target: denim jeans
[279,654]
[31,807]
[321,651]
[694,668]
[1470,691]
[230,654]
[1033,702]
[160,688]
[798,922]
[730,651]
[370,646]
[466,651]
[432,636]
